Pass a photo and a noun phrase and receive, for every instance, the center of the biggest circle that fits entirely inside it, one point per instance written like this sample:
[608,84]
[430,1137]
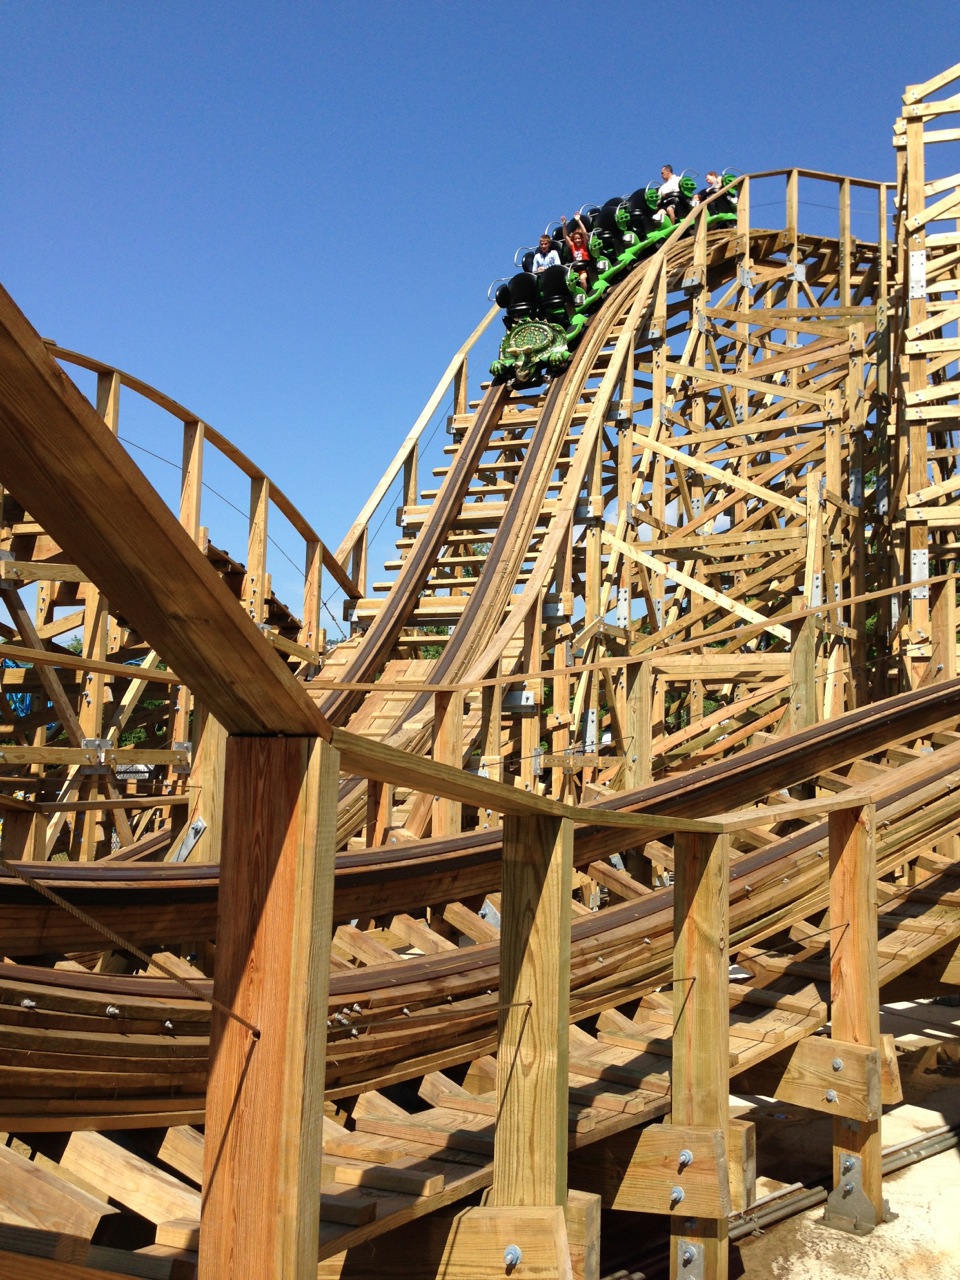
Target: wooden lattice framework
[722,538]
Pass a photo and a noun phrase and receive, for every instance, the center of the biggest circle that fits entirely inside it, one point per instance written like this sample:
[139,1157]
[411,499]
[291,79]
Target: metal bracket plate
[519,702]
[690,1259]
[918,274]
[623,607]
[192,835]
[883,502]
[848,1207]
[919,568]
[100,745]
[590,731]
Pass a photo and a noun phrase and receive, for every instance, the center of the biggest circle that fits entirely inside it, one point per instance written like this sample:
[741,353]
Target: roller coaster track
[683,552]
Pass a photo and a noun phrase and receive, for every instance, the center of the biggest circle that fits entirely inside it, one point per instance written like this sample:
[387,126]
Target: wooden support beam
[530,1145]
[470,1244]
[206,783]
[262,1155]
[641,1169]
[701,1073]
[447,749]
[856,1203]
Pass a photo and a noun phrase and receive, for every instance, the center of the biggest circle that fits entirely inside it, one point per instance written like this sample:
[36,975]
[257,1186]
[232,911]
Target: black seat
[555,299]
[524,297]
[642,207]
[607,229]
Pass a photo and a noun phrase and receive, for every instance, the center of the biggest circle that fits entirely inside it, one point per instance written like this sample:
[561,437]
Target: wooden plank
[262,1156]
[33,1195]
[128,1178]
[182,1147]
[640,1171]
[530,1146]
[462,1247]
[804,1074]
[17,1266]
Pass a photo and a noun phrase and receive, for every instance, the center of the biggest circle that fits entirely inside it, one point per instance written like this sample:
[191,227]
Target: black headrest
[523,288]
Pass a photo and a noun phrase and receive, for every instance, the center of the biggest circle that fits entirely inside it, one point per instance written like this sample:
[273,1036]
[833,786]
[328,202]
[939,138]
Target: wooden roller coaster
[401,955]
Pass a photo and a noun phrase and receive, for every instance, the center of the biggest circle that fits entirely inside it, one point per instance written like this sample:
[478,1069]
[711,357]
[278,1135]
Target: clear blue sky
[286,215]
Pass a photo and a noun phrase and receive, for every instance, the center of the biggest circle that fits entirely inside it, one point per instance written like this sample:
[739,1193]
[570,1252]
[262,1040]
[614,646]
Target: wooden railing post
[447,749]
[856,1203]
[312,634]
[256,587]
[530,1145]
[206,784]
[803,671]
[701,1028]
[262,1154]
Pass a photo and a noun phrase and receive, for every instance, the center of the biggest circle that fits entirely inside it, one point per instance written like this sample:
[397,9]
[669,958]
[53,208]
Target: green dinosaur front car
[527,347]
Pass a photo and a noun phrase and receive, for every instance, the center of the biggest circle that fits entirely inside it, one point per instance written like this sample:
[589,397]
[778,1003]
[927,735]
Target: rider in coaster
[669,192]
[546,256]
[713,186]
[577,244]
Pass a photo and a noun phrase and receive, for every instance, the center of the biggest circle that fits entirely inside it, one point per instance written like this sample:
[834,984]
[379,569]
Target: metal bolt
[688,1254]
[838,1064]
[831,1095]
[168,1025]
[113,1011]
[848,1164]
[512,1255]
[686,1157]
[27,1003]
[676,1195]
[847,1188]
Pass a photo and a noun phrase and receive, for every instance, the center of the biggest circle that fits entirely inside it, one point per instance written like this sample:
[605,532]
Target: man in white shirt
[669,192]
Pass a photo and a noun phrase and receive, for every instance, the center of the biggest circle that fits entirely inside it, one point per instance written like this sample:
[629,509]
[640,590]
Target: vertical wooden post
[943,631]
[447,749]
[262,1155]
[186,712]
[803,671]
[379,813]
[701,1023]
[636,725]
[530,1144]
[312,634]
[206,783]
[856,1203]
[256,584]
[410,469]
[358,560]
